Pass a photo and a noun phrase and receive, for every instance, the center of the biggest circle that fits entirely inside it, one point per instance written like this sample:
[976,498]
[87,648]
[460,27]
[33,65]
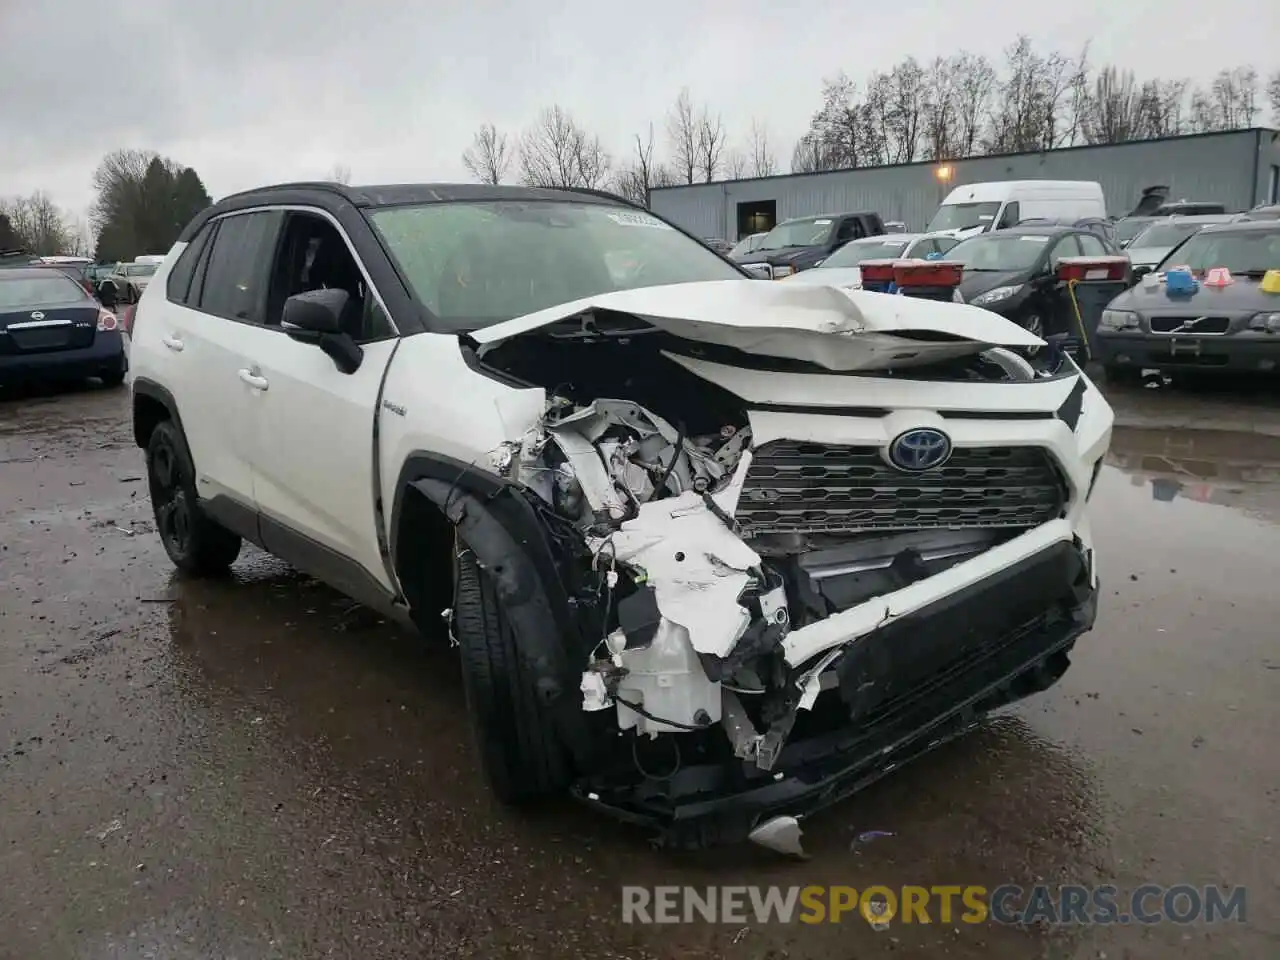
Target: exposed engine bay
[700,567]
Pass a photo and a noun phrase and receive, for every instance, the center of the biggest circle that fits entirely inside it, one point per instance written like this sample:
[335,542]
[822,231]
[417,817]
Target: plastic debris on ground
[867,836]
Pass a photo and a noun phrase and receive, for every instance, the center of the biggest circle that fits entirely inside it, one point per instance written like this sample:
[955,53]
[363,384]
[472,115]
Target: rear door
[214,297]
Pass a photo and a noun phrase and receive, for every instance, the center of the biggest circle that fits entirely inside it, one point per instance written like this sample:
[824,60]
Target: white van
[980,207]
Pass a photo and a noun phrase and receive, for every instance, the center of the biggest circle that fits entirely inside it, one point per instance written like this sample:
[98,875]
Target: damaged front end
[777,614]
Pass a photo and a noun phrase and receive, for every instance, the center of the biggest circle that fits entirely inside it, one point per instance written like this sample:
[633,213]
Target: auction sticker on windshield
[637,220]
[1037,239]
[821,223]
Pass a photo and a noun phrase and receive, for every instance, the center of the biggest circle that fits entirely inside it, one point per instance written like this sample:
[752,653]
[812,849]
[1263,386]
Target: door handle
[173,343]
[253,380]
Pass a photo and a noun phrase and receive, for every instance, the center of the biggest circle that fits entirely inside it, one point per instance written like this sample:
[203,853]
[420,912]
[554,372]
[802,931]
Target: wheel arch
[152,404]
[438,499]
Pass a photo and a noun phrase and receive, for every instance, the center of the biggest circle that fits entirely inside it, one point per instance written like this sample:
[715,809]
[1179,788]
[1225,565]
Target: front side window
[476,264]
[236,271]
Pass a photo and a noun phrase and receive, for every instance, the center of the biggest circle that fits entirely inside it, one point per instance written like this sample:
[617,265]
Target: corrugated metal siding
[1217,167]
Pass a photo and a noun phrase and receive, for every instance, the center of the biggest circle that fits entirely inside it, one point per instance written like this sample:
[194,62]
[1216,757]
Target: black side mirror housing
[1140,272]
[315,317]
[315,311]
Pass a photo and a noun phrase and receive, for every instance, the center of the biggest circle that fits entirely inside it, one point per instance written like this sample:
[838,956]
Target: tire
[197,545]
[519,753]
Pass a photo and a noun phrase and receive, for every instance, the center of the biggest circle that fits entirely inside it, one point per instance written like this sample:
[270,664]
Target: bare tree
[642,172]
[682,132]
[1030,99]
[905,88]
[556,152]
[808,155]
[38,225]
[1113,110]
[489,157]
[1273,96]
[760,159]
[736,165]
[975,81]
[339,173]
[712,141]
[939,128]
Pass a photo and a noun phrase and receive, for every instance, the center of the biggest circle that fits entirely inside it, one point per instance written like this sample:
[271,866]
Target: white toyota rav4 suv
[715,552]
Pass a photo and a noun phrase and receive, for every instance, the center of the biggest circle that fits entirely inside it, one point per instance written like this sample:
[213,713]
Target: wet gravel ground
[255,769]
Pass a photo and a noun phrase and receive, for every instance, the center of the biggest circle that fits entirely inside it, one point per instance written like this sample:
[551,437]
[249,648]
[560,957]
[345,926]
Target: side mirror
[1140,272]
[315,311]
[758,271]
[106,293]
[315,317]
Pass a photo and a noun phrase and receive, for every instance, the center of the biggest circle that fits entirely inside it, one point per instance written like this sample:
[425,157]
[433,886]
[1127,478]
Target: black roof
[391,195]
[395,194]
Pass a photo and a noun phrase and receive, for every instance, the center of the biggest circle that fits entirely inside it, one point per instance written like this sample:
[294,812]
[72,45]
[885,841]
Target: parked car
[52,329]
[982,207]
[841,268]
[129,280]
[1232,328]
[441,397]
[748,244]
[1150,246]
[800,243]
[1189,208]
[719,246]
[1013,271]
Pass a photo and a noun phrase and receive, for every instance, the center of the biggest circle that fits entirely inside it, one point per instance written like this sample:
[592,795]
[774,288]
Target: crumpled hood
[828,326]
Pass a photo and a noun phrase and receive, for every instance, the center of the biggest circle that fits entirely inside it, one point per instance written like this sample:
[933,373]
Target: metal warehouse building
[1240,169]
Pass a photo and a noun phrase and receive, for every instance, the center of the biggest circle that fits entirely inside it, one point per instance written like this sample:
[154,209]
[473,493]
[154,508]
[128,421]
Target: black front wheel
[522,758]
[197,545]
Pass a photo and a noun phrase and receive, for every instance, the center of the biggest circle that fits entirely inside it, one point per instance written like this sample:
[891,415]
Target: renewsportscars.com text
[971,904]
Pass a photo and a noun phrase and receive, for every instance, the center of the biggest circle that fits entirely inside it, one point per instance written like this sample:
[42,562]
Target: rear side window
[179,284]
[235,277]
[1012,214]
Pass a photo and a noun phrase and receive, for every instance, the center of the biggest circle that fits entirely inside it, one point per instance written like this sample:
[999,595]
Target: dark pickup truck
[804,242]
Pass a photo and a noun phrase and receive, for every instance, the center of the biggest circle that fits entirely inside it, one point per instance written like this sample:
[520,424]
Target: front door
[314,478]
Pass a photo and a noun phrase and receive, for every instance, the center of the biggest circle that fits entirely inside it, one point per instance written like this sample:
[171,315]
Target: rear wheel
[197,545]
[519,751]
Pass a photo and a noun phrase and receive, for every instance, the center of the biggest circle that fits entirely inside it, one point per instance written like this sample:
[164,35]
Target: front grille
[1191,326]
[794,487]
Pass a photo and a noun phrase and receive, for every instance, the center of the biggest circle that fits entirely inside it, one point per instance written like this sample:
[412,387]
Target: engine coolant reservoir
[667,679]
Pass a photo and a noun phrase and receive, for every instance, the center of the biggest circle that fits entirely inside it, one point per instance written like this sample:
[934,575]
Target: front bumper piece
[906,688]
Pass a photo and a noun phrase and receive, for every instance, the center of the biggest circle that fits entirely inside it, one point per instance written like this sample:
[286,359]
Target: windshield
[1164,235]
[746,245]
[797,233]
[881,248]
[1001,252]
[476,264]
[57,288]
[139,269]
[1126,230]
[963,216]
[1242,252]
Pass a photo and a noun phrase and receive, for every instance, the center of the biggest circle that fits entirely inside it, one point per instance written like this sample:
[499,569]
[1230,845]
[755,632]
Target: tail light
[107,321]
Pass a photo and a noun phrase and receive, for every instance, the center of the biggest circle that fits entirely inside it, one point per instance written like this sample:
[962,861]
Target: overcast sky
[254,91]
